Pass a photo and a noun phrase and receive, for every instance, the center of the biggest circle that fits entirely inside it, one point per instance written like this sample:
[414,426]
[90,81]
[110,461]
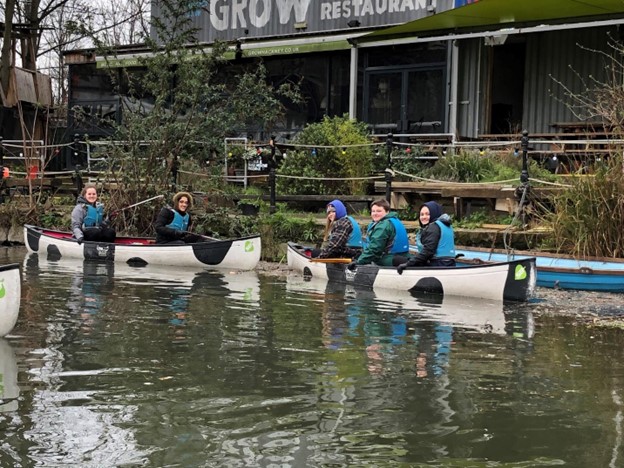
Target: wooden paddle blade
[331,260]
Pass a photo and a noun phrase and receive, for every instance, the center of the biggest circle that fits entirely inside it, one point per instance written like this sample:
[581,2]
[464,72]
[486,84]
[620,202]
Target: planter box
[248,209]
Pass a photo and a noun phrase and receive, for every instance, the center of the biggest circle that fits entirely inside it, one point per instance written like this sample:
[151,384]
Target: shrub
[339,161]
[275,229]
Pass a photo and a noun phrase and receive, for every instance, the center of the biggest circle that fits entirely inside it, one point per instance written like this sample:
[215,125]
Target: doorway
[507,88]
[409,100]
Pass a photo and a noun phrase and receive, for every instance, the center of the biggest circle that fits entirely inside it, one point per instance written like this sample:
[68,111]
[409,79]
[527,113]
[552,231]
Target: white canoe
[237,254]
[504,281]
[9,389]
[10,292]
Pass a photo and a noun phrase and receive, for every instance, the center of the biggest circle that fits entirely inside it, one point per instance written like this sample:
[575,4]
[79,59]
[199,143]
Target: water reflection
[263,371]
[109,331]
[9,390]
[476,315]
[382,343]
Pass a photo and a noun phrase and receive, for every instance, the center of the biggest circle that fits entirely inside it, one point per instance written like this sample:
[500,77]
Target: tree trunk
[6,57]
[30,44]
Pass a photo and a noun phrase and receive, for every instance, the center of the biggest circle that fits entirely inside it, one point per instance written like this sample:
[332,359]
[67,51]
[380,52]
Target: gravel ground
[273,269]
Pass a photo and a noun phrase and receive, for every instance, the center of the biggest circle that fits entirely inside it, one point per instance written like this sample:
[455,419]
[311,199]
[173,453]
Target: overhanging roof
[488,14]
[249,49]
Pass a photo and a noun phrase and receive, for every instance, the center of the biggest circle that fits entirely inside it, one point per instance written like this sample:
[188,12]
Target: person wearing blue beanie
[343,236]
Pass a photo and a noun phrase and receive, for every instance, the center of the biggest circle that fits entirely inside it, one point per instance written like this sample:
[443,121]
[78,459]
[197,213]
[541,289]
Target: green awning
[504,13]
[289,49]
[249,50]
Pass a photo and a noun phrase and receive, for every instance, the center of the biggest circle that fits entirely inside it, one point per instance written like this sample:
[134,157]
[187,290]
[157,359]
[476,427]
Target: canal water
[111,365]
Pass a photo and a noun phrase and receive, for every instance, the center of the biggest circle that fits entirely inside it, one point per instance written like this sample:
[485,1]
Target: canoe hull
[10,293]
[509,281]
[238,254]
[563,271]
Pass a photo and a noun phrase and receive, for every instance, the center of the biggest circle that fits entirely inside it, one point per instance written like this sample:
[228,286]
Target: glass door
[405,101]
[425,95]
[384,102]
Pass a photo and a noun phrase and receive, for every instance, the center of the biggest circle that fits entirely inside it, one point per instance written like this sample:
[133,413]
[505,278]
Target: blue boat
[559,270]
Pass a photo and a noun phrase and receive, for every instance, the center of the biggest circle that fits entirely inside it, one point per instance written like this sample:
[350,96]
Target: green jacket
[380,237]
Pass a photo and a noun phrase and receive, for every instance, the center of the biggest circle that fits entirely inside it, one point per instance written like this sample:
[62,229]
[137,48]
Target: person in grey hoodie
[87,218]
[435,241]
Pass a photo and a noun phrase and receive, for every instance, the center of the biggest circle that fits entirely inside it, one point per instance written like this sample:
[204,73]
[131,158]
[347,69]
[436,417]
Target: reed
[588,217]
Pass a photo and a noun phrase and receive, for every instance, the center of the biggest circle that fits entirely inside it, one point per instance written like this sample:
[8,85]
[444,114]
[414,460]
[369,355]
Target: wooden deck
[465,198]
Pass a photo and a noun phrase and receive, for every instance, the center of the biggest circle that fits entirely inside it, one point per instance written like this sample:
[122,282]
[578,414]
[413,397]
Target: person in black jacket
[435,241]
[173,224]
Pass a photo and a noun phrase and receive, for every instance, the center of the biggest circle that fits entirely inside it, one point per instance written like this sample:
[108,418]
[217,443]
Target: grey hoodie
[78,215]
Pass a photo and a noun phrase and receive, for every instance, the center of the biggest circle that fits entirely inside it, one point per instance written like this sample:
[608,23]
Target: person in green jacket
[385,237]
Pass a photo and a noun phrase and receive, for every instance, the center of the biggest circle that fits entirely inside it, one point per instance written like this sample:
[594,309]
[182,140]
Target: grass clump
[588,217]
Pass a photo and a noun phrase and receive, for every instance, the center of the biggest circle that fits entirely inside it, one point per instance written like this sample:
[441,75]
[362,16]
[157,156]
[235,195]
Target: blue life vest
[179,223]
[94,216]
[446,245]
[355,240]
[401,241]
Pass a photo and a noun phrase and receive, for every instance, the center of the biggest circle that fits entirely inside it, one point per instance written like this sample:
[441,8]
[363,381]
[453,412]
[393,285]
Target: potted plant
[250,203]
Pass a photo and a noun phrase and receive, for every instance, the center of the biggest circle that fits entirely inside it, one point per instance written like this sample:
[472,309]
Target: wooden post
[388,174]
[524,142]
[272,166]
[522,192]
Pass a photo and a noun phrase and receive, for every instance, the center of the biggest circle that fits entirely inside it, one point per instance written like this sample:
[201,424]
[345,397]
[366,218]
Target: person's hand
[113,215]
[352,266]
[191,238]
[401,267]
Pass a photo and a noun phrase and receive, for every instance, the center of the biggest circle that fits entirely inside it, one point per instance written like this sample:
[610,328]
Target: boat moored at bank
[560,270]
[238,254]
[505,281]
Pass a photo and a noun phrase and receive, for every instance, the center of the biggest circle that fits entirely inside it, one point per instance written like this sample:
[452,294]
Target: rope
[297,145]
[480,144]
[282,176]
[221,175]
[509,249]
[57,172]
[330,178]
[578,142]
[9,145]
[551,183]
[454,183]
[459,144]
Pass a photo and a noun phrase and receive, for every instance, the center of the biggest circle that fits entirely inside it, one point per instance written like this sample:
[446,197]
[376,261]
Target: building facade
[462,68]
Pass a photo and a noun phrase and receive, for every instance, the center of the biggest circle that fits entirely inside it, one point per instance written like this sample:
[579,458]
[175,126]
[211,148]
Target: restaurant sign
[240,19]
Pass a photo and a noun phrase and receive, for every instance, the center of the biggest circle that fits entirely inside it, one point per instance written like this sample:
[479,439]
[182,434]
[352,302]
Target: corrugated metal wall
[469,85]
[231,20]
[551,57]
[557,56]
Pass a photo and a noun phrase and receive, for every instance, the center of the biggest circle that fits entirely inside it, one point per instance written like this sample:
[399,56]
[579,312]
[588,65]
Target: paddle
[331,260]
[116,212]
[208,239]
